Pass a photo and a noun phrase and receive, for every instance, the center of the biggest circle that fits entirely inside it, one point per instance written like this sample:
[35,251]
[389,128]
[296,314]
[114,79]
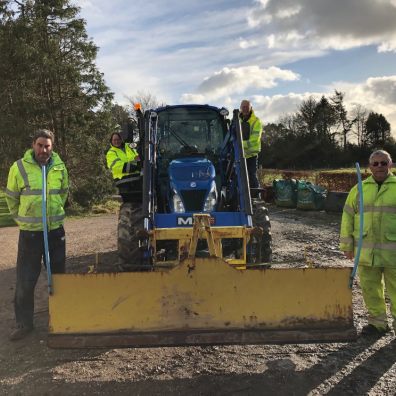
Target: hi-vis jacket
[24,192]
[379,231]
[252,146]
[122,161]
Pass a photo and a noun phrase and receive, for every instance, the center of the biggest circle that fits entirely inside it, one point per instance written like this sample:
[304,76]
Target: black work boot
[20,332]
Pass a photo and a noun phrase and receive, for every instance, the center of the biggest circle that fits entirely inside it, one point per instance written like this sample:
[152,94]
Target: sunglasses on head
[378,163]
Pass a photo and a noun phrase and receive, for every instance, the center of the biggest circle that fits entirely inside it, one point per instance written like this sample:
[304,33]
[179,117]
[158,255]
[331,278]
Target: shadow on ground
[101,262]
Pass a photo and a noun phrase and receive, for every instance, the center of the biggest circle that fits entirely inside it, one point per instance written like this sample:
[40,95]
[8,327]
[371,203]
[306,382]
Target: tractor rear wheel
[130,221]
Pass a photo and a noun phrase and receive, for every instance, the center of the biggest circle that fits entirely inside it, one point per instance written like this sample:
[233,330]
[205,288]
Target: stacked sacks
[310,196]
[285,192]
[299,194]
[5,217]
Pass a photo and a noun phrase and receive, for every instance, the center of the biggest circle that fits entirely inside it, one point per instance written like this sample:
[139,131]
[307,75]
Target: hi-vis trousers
[374,281]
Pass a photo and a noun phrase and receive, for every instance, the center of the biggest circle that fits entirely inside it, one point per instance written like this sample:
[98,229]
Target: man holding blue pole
[24,195]
[377,263]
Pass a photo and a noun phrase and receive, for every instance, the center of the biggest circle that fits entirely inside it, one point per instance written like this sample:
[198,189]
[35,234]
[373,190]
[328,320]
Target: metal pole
[361,224]
[244,178]
[45,228]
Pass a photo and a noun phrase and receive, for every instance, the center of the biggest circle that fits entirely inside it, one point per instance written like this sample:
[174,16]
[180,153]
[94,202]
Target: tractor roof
[189,107]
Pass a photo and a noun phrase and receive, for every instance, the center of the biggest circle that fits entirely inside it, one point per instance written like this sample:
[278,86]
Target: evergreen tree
[342,116]
[307,116]
[378,130]
[326,119]
[48,79]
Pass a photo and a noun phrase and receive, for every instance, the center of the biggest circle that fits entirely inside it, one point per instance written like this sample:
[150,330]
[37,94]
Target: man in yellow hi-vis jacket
[123,161]
[252,130]
[377,262]
[24,199]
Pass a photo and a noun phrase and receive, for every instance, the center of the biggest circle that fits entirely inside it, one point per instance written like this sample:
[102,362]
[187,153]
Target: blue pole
[45,227]
[361,224]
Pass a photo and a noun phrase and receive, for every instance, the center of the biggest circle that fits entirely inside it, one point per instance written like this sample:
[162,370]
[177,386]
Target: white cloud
[271,108]
[218,52]
[377,94]
[230,81]
[335,24]
[247,43]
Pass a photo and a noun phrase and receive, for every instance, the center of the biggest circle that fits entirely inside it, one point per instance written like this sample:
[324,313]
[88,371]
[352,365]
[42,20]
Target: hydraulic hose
[45,228]
[361,225]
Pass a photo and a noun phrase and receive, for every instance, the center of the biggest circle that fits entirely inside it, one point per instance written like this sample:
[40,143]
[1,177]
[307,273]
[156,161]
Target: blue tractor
[191,249]
[193,164]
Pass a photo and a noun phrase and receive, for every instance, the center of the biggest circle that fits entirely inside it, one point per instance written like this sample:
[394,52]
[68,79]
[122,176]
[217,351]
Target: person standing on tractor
[123,161]
[24,199]
[377,262]
[251,134]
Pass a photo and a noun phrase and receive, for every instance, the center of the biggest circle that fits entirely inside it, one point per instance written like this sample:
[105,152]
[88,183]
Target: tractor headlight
[211,200]
[177,203]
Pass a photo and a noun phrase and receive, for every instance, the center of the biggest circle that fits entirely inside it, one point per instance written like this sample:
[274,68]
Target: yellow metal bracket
[201,226]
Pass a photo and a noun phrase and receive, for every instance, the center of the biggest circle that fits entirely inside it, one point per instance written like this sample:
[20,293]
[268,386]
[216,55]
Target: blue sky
[274,52]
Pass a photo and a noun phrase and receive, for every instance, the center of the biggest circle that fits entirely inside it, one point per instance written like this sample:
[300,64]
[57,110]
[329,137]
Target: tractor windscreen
[189,131]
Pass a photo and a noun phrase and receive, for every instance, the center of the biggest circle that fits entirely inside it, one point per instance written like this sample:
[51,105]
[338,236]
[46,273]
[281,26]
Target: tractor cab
[189,144]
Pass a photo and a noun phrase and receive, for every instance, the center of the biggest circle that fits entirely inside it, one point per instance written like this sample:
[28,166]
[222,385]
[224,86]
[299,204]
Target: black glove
[131,166]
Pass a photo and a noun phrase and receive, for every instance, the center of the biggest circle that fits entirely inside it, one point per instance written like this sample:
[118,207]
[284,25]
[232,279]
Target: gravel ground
[29,367]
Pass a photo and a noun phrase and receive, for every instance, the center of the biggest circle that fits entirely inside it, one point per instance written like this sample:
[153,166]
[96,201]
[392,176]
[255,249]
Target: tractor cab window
[184,132]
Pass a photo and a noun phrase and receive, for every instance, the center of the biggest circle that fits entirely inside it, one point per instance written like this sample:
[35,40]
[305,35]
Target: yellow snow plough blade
[201,301]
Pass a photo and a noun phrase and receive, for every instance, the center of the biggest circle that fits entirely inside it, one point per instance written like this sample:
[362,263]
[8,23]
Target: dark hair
[44,133]
[116,133]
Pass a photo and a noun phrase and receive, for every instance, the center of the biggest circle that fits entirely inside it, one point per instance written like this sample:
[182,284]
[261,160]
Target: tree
[378,130]
[306,117]
[341,115]
[146,99]
[48,78]
[326,118]
[359,114]
[290,123]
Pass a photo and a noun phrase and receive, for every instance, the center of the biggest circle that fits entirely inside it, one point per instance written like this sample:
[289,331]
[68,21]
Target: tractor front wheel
[261,251]
[130,221]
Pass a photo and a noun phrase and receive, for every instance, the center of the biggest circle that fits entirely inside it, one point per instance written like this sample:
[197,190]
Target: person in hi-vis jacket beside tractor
[252,130]
[24,195]
[377,263]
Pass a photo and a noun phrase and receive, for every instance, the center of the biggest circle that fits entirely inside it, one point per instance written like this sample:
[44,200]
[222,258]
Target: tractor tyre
[261,219]
[130,221]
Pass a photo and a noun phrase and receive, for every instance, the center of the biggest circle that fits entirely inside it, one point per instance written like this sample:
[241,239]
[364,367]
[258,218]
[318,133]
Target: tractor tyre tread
[261,219]
[130,221]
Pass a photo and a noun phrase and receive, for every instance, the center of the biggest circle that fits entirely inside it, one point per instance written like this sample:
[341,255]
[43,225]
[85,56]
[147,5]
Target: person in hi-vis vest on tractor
[124,163]
[252,130]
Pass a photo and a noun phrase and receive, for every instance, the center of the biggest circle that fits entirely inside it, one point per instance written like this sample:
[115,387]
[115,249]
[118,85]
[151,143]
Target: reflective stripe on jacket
[252,146]
[379,231]
[116,158]
[24,192]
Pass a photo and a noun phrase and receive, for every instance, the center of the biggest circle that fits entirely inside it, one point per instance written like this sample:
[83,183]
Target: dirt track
[28,367]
